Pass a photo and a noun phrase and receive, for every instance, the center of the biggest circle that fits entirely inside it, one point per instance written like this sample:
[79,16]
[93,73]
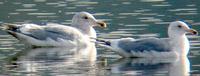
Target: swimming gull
[51,34]
[176,45]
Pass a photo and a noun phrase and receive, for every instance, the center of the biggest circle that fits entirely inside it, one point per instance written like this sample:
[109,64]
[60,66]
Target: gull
[52,34]
[175,45]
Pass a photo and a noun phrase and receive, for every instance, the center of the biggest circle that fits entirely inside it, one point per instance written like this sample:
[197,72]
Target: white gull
[78,35]
[176,45]
[51,34]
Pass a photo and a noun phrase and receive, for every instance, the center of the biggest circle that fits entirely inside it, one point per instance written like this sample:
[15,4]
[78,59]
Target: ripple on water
[183,9]
[7,41]
[28,5]
[40,0]
[10,48]
[71,8]
[120,33]
[101,14]
[121,17]
[26,10]
[130,29]
[61,5]
[142,10]
[191,5]
[17,3]
[85,3]
[13,13]
[130,14]
[4,36]
[47,16]
[70,13]
[1,3]
[149,14]
[195,44]
[149,19]
[137,25]
[163,23]
[39,14]
[152,0]
[162,5]
[186,13]
[126,3]
[51,3]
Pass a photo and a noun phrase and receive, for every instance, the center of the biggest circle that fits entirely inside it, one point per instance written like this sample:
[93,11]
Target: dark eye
[179,26]
[85,17]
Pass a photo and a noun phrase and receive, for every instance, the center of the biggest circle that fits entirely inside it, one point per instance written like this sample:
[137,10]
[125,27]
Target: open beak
[192,31]
[101,24]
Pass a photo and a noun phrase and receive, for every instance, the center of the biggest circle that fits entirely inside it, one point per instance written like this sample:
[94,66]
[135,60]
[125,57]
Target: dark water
[125,18]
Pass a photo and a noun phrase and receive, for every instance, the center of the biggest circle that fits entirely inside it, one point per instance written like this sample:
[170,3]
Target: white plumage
[52,34]
[56,35]
[176,45]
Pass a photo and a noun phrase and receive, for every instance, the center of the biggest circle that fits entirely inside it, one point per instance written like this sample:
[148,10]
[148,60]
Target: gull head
[85,19]
[180,28]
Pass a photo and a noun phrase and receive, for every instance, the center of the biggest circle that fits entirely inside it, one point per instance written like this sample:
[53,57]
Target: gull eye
[179,26]
[85,17]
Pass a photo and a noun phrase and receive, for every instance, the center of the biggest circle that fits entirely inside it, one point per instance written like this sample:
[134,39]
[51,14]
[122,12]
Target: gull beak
[101,24]
[192,31]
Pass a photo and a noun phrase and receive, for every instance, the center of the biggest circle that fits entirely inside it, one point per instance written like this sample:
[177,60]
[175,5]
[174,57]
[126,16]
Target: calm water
[125,18]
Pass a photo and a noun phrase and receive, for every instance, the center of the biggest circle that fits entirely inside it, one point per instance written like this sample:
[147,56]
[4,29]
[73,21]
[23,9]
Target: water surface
[125,18]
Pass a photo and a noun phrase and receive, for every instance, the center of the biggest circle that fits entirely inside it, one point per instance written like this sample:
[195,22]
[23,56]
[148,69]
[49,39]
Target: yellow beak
[192,31]
[102,24]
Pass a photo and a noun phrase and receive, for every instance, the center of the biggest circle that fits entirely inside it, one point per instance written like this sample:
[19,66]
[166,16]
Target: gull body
[56,35]
[176,44]
[53,34]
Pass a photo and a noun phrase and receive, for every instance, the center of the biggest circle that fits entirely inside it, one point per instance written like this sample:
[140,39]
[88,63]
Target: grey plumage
[48,31]
[148,44]
[52,32]
[177,44]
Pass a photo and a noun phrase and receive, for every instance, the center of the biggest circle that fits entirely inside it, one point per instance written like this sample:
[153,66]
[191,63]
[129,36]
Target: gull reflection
[152,67]
[55,61]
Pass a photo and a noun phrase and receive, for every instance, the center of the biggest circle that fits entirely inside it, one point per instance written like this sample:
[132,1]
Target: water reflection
[152,67]
[132,18]
[51,61]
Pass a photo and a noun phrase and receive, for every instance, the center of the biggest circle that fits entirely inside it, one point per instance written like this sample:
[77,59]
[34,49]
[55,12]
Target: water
[135,18]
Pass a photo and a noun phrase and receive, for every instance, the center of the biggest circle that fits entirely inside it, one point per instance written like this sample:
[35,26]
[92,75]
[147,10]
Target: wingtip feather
[9,26]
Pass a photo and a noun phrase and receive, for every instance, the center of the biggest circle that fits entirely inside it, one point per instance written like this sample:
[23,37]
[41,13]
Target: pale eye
[179,26]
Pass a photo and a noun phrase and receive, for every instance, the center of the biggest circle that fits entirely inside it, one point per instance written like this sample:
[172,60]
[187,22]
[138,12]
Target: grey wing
[53,32]
[148,44]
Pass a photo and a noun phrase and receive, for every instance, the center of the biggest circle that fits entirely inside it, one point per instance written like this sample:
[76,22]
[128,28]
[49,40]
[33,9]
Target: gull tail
[102,41]
[10,28]
[105,42]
